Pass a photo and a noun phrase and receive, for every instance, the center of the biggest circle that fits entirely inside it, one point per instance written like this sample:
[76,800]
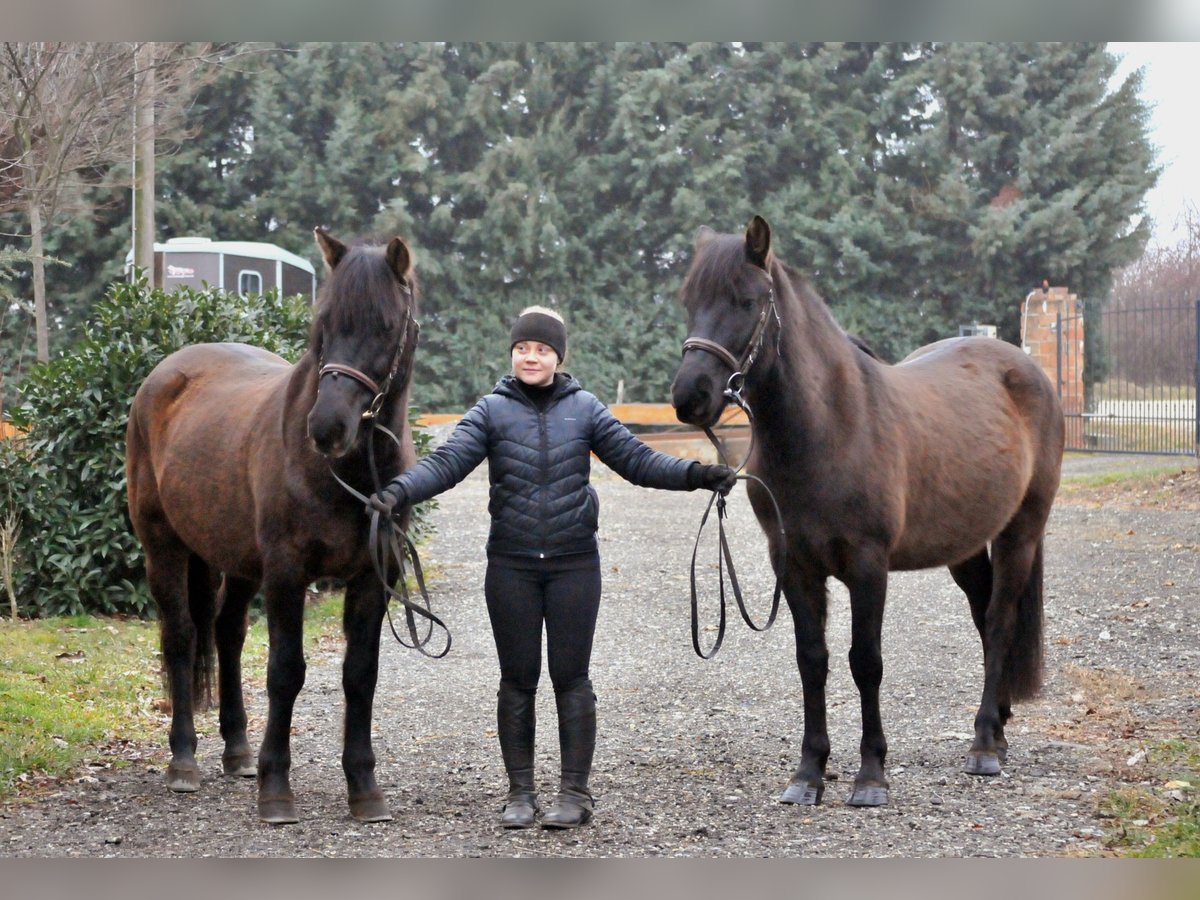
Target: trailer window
[249,282]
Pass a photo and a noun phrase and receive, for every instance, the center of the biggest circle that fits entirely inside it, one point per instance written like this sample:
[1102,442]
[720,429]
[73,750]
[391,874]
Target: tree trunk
[143,162]
[39,281]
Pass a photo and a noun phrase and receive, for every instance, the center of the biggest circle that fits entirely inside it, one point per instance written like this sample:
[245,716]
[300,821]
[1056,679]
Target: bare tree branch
[67,129]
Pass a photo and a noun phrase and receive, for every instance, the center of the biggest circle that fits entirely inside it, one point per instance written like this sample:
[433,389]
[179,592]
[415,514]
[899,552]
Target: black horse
[878,468]
[229,452]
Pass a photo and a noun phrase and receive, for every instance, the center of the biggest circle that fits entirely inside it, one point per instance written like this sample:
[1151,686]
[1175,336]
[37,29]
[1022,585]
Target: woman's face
[534,363]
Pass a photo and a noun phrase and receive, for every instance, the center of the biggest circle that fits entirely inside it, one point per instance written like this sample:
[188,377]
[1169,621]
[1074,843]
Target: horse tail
[1026,653]
[202,605]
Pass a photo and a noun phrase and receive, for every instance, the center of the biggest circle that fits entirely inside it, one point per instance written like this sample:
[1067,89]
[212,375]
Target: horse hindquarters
[182,591]
[233,603]
[1013,652]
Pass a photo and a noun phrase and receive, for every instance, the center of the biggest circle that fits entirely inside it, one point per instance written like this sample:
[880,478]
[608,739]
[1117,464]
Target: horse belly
[205,433]
[970,449]
[951,517]
[206,497]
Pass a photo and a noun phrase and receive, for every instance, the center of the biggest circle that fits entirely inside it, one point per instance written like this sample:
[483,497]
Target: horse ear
[399,257]
[331,248]
[704,236]
[758,241]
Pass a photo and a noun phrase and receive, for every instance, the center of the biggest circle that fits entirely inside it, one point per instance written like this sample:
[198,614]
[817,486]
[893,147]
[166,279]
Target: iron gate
[1139,373]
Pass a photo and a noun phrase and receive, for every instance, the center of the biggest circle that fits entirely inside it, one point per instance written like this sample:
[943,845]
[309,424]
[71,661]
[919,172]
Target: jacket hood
[564,383]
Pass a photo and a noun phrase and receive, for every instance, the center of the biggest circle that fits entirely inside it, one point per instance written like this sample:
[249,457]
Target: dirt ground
[693,754]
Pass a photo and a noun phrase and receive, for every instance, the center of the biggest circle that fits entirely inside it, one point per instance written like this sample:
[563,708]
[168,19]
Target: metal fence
[1140,378]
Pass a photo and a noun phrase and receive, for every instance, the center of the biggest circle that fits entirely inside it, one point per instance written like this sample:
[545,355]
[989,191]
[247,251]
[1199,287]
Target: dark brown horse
[878,468]
[229,452]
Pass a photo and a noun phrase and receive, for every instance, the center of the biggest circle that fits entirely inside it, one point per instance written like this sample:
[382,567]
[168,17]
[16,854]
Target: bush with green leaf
[77,553]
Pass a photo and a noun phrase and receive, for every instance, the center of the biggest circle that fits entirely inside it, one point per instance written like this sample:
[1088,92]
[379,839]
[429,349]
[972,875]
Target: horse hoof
[370,809]
[241,765]
[802,793]
[868,795]
[982,763]
[278,811]
[183,779]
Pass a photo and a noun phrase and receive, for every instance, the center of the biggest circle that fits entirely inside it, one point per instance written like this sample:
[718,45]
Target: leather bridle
[733,394]
[739,367]
[378,390]
[387,545]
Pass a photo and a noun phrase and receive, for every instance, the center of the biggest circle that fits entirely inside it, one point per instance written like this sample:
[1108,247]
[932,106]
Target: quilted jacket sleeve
[621,451]
[450,463]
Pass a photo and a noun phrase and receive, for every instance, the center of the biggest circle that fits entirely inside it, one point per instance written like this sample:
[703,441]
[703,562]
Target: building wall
[184,269]
[237,264]
[297,281]
[1039,320]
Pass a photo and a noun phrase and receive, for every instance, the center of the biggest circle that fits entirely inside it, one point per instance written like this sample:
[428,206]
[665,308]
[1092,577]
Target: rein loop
[725,560]
[386,550]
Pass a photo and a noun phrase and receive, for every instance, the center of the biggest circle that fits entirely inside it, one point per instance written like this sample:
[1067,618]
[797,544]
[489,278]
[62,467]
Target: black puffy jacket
[539,463]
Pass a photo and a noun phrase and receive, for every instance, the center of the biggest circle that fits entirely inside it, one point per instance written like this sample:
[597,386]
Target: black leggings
[563,592]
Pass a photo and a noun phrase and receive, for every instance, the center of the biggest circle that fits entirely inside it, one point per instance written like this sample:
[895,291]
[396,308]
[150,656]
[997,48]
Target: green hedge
[77,553]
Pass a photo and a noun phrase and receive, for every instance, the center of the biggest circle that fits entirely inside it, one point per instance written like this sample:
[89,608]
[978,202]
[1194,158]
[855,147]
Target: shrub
[77,552]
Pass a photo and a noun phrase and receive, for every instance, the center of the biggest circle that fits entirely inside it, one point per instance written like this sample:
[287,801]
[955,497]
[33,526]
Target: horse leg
[285,678]
[808,600]
[1013,569]
[974,577]
[362,620]
[233,602]
[868,592]
[166,574]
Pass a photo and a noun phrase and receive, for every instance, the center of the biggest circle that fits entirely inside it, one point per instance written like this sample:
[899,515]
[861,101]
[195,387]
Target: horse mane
[862,345]
[717,264]
[722,258]
[360,294]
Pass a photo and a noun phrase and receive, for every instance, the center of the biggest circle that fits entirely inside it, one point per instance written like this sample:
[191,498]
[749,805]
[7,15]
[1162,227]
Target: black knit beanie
[536,326]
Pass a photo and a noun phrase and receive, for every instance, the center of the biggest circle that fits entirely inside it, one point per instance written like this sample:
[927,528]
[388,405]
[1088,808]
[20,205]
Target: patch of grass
[83,691]
[70,686]
[1161,819]
[1148,478]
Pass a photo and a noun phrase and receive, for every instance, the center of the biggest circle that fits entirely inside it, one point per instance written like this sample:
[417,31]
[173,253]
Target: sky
[1172,73]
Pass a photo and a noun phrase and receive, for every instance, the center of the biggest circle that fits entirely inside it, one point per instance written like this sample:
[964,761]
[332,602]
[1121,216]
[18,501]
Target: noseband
[378,391]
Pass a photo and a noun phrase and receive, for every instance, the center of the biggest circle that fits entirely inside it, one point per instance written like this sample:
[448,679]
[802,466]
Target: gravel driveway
[692,754]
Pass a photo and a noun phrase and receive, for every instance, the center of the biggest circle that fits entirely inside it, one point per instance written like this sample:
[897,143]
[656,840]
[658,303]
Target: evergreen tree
[921,186]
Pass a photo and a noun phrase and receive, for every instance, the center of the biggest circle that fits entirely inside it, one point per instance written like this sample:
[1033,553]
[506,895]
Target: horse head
[363,338]
[729,298]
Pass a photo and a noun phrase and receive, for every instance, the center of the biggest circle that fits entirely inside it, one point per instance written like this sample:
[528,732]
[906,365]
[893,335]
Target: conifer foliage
[922,186]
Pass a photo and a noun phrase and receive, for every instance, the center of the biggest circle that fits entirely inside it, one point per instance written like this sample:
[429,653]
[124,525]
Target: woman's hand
[718,478]
[386,500]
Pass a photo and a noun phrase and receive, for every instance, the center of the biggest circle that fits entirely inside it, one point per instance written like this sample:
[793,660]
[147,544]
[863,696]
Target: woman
[538,429]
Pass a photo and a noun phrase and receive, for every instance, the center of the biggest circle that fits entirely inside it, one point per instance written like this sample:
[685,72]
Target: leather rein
[733,394]
[387,544]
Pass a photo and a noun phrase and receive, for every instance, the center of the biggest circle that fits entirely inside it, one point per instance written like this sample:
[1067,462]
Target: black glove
[386,501]
[718,478]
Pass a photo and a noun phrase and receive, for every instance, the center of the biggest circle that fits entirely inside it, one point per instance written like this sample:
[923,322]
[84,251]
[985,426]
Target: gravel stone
[692,754]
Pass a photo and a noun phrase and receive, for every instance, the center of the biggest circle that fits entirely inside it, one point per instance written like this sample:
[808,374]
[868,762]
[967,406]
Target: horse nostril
[689,400]
[328,438]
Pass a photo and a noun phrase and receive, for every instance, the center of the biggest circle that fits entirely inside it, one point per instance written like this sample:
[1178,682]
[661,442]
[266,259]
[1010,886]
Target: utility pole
[143,159]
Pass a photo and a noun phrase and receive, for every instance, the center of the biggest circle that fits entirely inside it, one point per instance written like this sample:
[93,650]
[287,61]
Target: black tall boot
[577,742]
[515,725]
